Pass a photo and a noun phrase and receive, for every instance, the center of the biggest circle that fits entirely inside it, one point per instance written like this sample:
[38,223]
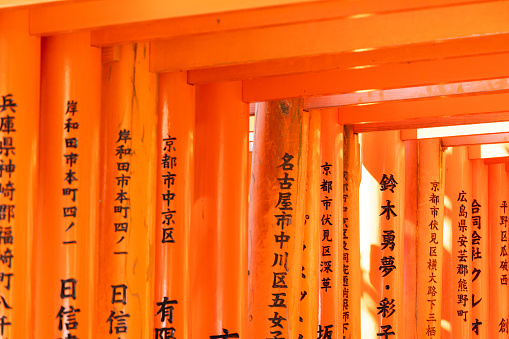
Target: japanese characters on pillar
[331,137]
[462,254]
[19,105]
[70,189]
[479,249]
[346,254]
[430,216]
[480,278]
[166,306]
[433,258]
[118,316]
[169,163]
[276,220]
[126,307]
[282,219]
[173,206]
[388,269]
[310,250]
[326,257]
[502,267]
[8,107]
[498,326]
[351,291]
[68,315]
[457,295]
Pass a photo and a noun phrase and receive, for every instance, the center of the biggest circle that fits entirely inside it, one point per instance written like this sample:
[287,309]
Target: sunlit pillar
[330,236]
[430,220]
[65,236]
[498,211]
[310,249]
[219,227]
[19,144]
[351,272]
[128,197]
[480,258]
[174,204]
[457,283]
[276,220]
[383,158]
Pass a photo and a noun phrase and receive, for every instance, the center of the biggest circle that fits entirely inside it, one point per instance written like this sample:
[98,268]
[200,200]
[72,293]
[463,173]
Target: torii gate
[132,207]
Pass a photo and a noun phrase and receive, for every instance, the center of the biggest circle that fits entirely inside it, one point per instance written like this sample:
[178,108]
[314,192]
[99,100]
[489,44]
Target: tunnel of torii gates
[254,169]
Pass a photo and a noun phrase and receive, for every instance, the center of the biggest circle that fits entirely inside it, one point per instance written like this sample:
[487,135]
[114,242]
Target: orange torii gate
[131,207]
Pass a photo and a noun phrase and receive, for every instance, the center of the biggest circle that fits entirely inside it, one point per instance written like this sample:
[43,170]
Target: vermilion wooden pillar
[219,227]
[310,262]
[430,217]
[276,220]
[480,249]
[65,236]
[383,158]
[351,291]
[331,203]
[174,204]
[19,144]
[126,307]
[498,200]
[409,270]
[457,284]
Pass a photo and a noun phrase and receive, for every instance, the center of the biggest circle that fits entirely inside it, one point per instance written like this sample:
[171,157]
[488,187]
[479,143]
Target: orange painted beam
[405,53]
[151,21]
[24,3]
[219,226]
[278,183]
[20,83]
[408,93]
[480,249]
[78,15]
[311,244]
[498,160]
[330,236]
[125,293]
[476,139]
[439,121]
[174,205]
[426,108]
[429,246]
[65,252]
[379,77]
[498,276]
[330,36]
[351,295]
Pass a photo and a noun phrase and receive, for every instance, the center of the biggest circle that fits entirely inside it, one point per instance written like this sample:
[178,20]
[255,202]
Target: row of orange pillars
[125,198]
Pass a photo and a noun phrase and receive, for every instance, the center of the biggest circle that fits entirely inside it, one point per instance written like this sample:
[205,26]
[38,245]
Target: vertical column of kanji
[174,205]
[65,236]
[458,188]
[310,262]
[389,173]
[219,225]
[430,220]
[128,197]
[331,184]
[351,294]
[498,253]
[19,136]
[276,220]
[479,210]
